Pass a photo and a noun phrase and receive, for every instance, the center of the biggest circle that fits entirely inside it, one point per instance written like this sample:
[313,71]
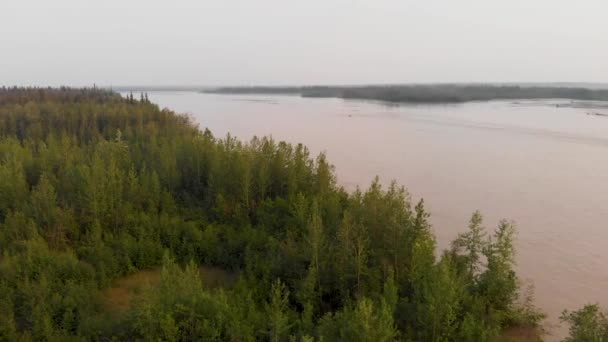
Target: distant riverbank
[442,93]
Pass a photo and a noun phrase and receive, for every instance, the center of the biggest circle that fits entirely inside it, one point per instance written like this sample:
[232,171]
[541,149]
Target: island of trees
[437,93]
[122,221]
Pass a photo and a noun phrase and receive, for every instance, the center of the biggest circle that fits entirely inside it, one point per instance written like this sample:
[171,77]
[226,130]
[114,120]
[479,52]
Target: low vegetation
[119,220]
[441,93]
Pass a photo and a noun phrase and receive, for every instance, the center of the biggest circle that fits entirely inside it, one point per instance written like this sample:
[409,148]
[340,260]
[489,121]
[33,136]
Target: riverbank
[434,93]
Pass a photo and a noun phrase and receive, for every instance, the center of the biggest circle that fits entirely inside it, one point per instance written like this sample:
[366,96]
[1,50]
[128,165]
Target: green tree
[278,312]
[13,185]
[365,322]
[352,254]
[472,245]
[588,324]
[46,213]
[499,283]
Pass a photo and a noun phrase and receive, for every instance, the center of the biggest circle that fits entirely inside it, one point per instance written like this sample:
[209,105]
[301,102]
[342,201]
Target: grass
[119,296]
[521,334]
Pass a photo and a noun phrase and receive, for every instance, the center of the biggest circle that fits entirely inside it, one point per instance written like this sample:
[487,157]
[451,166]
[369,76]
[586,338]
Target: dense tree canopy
[95,187]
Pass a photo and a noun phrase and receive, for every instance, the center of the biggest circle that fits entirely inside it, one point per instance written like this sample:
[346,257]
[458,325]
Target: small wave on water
[264,101]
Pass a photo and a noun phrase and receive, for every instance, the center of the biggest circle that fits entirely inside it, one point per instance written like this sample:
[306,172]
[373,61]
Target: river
[542,164]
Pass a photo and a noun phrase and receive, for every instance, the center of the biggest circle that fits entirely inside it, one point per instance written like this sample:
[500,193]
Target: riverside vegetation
[433,93]
[226,240]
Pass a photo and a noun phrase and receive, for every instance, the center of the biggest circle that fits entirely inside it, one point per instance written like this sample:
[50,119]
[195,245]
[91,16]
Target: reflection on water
[540,163]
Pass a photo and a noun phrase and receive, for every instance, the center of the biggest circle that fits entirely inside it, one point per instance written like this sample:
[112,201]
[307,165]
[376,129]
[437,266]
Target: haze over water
[545,167]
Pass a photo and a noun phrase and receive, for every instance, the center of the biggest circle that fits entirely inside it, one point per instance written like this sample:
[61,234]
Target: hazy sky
[220,42]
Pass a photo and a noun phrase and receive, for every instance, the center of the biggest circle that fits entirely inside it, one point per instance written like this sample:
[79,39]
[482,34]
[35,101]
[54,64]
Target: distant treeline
[140,88]
[428,93]
[17,95]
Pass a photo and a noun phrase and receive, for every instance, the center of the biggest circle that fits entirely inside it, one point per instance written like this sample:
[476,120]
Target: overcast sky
[230,42]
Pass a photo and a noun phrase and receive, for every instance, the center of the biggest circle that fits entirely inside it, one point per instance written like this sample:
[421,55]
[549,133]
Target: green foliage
[588,324]
[472,243]
[179,309]
[95,187]
[277,312]
[364,321]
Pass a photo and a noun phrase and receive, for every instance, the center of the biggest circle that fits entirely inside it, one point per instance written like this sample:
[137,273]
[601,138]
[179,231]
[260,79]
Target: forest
[123,221]
[432,93]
